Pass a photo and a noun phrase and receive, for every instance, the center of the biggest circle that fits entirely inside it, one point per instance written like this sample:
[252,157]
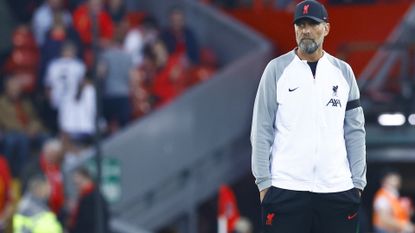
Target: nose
[305,29]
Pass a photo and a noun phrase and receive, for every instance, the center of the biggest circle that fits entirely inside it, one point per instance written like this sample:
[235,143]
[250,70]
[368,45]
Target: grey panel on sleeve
[264,113]
[354,128]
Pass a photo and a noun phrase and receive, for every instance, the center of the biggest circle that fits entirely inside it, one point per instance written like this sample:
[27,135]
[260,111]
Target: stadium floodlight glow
[391,119]
[411,119]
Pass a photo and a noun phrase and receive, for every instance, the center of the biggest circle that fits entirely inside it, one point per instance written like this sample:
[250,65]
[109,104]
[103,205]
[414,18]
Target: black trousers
[286,211]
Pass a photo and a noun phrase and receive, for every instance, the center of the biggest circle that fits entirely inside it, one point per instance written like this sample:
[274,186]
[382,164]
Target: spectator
[179,38]
[83,218]
[6,196]
[140,94]
[33,213]
[54,41]
[77,113]
[138,38]
[170,80]
[19,123]
[116,67]
[391,212]
[83,17]
[117,10]
[44,17]
[49,165]
[63,77]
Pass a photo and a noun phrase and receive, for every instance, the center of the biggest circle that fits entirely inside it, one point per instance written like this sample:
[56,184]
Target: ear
[326,29]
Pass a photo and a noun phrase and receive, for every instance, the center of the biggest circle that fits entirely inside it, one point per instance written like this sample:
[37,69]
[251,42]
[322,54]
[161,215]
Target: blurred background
[160,94]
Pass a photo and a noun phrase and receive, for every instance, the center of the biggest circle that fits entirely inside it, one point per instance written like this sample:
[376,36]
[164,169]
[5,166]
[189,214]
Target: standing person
[33,215]
[43,19]
[83,217]
[83,18]
[116,69]
[179,38]
[63,76]
[49,165]
[391,212]
[308,136]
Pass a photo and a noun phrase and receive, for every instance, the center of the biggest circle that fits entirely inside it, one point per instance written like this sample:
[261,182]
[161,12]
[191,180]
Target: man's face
[177,20]
[394,180]
[310,35]
[55,4]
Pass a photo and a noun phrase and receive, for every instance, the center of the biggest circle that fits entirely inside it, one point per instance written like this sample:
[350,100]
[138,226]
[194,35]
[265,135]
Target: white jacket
[308,132]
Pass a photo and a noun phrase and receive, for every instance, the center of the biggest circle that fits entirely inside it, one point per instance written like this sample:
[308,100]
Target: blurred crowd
[288,5]
[67,56]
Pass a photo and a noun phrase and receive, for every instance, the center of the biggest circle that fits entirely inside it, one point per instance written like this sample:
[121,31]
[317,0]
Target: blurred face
[55,4]
[79,180]
[13,88]
[95,5]
[310,35]
[43,190]
[393,181]
[115,4]
[53,156]
[161,53]
[177,20]
[69,52]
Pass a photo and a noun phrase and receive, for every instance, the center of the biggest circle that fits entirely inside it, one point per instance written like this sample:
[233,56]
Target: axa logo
[305,9]
[334,103]
[270,218]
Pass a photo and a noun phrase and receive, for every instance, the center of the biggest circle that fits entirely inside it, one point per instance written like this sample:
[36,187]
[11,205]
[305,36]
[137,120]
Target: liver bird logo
[305,9]
[270,218]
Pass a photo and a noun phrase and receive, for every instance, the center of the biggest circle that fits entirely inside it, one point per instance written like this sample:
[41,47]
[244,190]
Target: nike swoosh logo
[350,217]
[291,90]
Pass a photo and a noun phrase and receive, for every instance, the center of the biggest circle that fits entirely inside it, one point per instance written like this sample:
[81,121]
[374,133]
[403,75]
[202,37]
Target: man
[83,217]
[19,124]
[49,165]
[391,213]
[43,18]
[63,76]
[179,38]
[308,136]
[115,67]
[33,214]
[83,18]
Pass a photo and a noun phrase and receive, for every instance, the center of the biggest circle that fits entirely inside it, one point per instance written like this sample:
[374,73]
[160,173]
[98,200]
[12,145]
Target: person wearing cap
[308,135]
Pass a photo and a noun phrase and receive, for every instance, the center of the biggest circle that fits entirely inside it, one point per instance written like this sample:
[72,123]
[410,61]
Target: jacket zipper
[315,119]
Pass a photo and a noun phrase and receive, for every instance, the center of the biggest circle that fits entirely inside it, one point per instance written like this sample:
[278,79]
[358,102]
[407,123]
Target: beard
[308,46]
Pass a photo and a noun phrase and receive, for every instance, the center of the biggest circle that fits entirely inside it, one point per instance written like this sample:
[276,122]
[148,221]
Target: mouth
[304,39]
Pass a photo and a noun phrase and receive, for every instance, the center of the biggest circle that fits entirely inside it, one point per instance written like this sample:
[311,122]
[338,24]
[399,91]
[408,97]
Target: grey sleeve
[354,134]
[262,131]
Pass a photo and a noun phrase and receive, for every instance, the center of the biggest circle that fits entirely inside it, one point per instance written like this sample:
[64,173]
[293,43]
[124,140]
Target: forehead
[307,21]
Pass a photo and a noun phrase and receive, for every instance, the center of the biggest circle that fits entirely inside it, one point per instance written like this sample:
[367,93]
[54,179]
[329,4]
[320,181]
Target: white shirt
[78,116]
[63,78]
[133,45]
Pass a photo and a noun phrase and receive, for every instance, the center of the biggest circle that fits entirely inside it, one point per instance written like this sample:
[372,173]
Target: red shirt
[5,181]
[54,176]
[165,87]
[83,24]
